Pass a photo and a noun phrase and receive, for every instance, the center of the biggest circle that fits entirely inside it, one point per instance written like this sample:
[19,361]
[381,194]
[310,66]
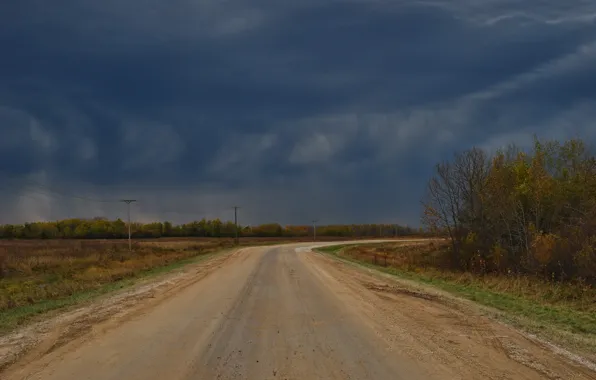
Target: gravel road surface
[287,313]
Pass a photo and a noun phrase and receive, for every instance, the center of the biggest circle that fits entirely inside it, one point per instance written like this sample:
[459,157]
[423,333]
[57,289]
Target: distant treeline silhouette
[101,228]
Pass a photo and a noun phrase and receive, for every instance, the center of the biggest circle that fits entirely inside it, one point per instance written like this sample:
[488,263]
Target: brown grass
[429,260]
[35,271]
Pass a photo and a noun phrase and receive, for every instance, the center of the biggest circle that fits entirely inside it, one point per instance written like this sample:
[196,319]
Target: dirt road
[288,313]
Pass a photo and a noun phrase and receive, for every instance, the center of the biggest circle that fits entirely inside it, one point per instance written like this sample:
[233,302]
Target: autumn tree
[527,212]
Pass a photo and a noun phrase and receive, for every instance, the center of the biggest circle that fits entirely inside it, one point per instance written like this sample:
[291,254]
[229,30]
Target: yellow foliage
[471,238]
[543,247]
[499,255]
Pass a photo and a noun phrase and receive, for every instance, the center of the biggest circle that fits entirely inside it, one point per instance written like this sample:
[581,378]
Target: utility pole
[236,222]
[314,230]
[128,202]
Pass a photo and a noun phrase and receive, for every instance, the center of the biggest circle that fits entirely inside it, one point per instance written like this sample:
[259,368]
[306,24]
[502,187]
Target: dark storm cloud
[334,108]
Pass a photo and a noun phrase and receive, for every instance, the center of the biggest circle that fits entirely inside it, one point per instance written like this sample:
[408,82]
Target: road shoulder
[450,326]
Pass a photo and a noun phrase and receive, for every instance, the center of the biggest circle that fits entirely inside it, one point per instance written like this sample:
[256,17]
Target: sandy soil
[279,313]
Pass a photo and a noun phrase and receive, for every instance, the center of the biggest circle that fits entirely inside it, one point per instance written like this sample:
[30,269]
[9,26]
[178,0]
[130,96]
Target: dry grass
[36,271]
[428,259]
[407,256]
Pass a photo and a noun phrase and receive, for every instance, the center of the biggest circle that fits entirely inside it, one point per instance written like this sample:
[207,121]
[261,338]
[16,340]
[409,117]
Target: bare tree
[442,206]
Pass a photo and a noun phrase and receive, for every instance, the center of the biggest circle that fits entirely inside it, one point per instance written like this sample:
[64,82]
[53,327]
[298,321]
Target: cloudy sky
[293,110]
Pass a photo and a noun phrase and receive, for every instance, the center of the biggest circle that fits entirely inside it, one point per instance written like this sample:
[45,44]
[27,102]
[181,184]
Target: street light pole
[314,230]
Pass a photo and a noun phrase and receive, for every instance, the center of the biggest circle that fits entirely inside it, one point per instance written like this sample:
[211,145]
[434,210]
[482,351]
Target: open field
[38,276]
[565,311]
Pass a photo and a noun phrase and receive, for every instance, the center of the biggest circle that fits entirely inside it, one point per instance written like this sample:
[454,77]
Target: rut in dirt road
[283,313]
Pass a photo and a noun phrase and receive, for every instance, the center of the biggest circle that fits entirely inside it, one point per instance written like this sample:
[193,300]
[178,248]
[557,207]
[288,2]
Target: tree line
[101,228]
[518,211]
